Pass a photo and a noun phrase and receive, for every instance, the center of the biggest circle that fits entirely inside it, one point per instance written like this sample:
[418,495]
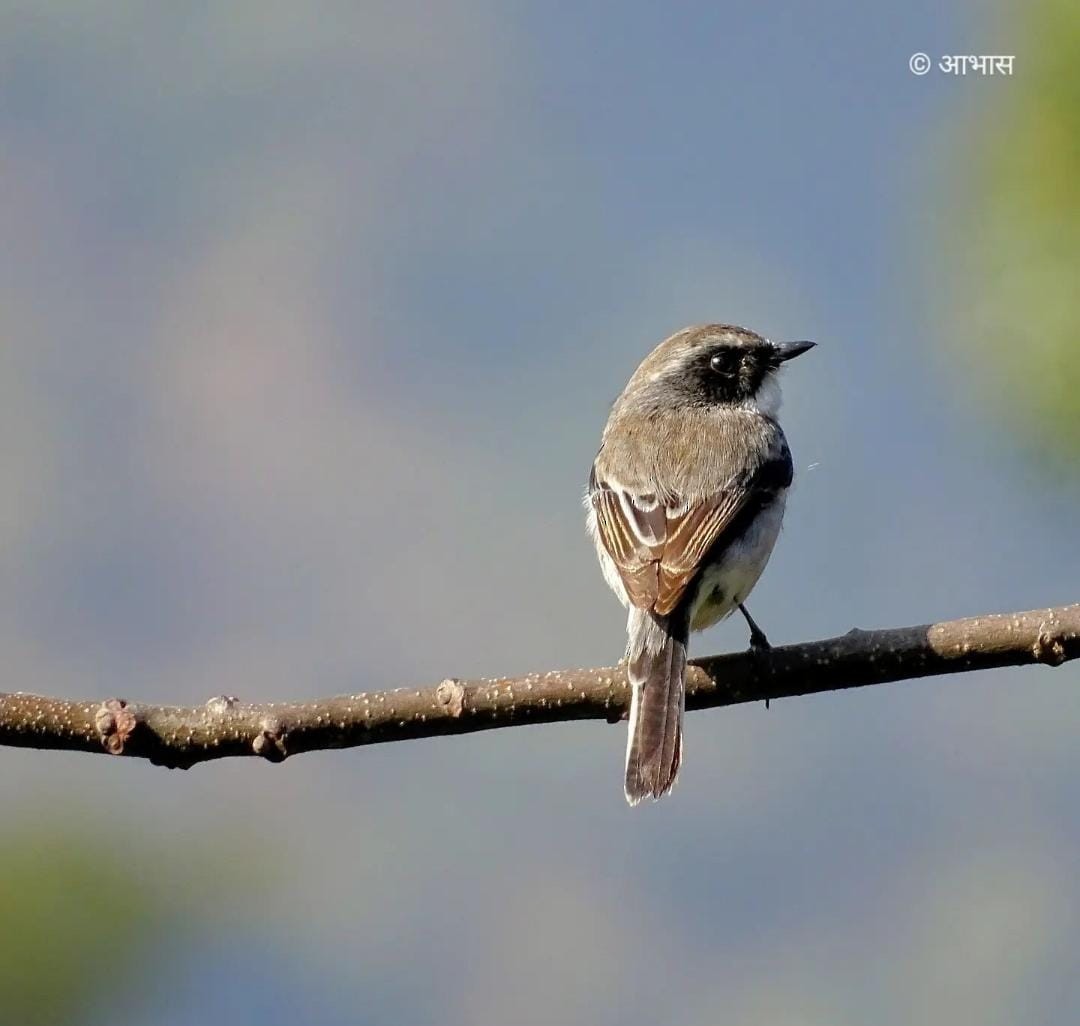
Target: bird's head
[714,365]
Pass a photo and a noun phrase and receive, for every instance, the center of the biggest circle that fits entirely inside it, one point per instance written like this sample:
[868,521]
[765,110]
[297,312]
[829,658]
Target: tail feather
[656,667]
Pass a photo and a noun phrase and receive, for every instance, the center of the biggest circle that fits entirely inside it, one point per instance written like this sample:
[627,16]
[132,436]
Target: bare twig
[223,727]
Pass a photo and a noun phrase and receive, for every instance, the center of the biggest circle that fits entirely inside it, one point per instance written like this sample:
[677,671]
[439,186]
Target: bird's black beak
[789,350]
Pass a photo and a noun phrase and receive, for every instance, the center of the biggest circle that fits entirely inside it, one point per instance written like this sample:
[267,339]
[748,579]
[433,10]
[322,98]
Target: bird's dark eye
[725,361]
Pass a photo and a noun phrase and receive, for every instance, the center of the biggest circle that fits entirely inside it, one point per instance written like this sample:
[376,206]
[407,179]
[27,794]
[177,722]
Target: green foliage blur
[89,918]
[72,913]
[1012,243]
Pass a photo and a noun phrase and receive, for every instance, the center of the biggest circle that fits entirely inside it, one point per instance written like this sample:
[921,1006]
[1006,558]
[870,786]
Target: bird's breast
[728,579]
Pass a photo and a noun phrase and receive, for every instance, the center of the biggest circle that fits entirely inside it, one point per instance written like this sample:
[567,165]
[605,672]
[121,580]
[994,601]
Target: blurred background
[310,316]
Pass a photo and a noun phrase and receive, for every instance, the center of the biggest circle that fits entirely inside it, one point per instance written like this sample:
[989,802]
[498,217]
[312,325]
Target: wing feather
[658,547]
[658,551]
[690,537]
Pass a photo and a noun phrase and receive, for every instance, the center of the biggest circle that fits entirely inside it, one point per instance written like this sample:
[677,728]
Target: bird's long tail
[656,666]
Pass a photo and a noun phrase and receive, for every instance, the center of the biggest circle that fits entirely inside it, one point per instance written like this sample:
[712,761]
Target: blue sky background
[311,315]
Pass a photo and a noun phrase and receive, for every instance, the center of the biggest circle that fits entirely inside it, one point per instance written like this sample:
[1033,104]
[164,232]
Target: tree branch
[224,727]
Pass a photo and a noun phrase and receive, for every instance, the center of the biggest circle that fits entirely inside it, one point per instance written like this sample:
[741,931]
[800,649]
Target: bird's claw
[759,643]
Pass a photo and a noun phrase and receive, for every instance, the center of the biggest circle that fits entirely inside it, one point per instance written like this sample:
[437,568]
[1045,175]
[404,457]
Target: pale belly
[726,584]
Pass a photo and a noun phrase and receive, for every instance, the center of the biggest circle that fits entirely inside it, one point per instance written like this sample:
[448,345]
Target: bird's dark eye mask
[729,373]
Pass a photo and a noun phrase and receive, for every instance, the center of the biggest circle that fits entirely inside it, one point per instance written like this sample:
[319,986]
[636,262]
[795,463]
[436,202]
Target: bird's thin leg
[758,641]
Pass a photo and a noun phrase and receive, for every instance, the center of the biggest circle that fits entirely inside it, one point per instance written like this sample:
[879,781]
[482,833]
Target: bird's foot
[758,642]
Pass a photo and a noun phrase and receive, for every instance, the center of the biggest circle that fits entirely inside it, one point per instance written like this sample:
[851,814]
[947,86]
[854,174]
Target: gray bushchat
[684,506]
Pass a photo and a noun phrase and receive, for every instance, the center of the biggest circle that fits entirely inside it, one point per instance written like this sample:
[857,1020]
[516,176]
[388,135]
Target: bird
[684,504]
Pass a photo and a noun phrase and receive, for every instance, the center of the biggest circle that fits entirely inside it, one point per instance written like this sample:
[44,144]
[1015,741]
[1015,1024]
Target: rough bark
[179,736]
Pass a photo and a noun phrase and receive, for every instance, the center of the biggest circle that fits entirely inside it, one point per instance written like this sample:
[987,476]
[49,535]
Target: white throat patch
[767,399]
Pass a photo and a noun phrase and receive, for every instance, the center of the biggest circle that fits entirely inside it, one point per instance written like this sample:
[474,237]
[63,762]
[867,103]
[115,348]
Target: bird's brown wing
[634,538]
[690,536]
[656,547]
